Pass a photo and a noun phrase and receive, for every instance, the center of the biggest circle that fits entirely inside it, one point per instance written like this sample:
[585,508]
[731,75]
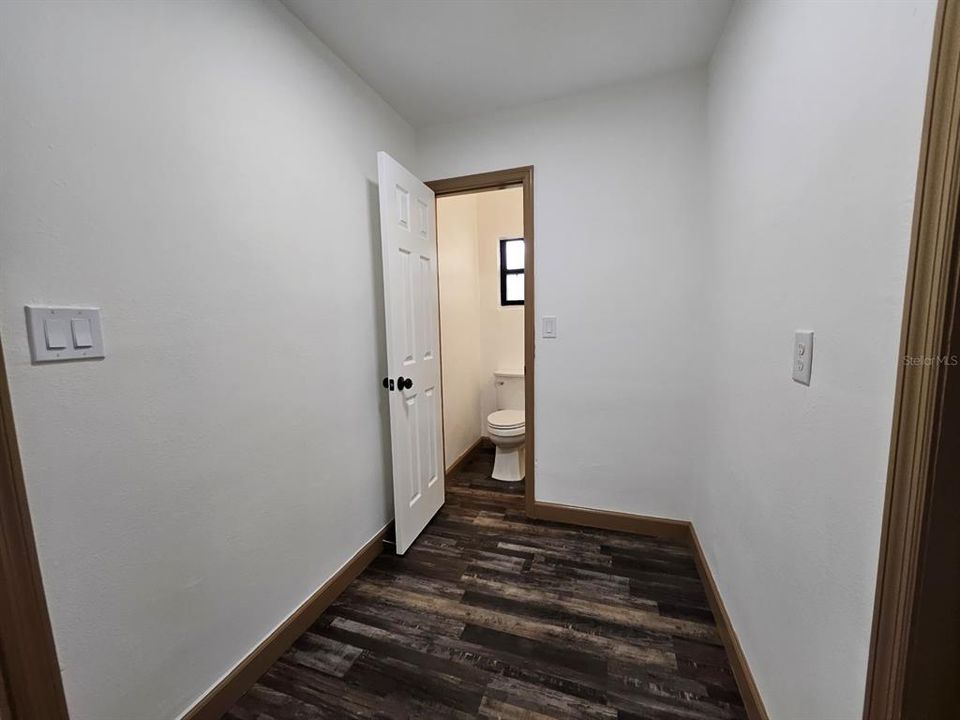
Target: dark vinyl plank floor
[492,615]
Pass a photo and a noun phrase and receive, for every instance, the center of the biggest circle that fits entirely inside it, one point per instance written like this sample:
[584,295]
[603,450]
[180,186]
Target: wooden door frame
[28,658]
[498,180]
[931,300]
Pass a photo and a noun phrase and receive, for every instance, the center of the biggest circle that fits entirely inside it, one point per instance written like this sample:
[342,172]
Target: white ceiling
[440,60]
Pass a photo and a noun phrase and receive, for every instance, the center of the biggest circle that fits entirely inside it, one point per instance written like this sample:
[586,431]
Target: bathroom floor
[491,615]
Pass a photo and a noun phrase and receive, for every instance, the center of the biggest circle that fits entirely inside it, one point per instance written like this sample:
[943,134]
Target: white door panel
[409,244]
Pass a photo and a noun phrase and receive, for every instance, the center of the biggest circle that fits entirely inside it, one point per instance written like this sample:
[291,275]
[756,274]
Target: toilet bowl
[507,432]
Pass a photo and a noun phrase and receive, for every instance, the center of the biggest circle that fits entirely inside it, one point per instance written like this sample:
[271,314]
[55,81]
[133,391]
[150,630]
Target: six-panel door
[409,245]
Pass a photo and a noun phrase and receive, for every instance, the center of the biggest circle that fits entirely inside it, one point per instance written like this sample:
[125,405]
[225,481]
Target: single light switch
[82,337]
[549,326]
[55,332]
[802,356]
[64,333]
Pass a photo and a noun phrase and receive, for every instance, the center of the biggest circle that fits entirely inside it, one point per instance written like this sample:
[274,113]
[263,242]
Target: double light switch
[64,333]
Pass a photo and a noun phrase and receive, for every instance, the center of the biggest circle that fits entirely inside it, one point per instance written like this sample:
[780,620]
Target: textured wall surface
[206,174]
[815,115]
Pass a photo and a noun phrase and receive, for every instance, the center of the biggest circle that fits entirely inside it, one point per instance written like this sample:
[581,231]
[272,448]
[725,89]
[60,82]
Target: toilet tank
[509,385]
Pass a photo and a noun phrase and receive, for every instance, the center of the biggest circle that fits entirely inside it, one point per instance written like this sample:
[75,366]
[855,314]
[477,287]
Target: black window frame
[504,272]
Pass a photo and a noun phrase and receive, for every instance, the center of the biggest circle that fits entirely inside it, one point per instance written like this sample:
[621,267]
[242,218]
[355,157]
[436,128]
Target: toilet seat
[506,421]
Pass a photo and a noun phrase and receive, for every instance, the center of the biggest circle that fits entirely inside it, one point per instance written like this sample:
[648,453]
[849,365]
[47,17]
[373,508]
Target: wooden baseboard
[455,465]
[222,697]
[608,520]
[738,661]
[684,532]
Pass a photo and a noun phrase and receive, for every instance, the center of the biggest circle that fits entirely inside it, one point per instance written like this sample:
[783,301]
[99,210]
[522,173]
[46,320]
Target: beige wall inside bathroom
[460,353]
[478,336]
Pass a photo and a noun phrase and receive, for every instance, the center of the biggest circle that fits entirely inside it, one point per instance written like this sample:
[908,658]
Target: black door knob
[404,383]
[387,383]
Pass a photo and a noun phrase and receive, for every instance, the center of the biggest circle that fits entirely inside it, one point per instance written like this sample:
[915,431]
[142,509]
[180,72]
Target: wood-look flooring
[491,615]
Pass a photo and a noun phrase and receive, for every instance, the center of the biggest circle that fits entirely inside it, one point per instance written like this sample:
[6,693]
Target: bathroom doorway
[485,263]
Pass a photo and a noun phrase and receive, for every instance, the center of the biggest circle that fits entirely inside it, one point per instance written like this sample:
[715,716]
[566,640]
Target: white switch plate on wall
[64,333]
[802,356]
[549,326]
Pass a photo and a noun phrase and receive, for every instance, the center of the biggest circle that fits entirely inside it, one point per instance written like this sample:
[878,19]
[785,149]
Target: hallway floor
[491,615]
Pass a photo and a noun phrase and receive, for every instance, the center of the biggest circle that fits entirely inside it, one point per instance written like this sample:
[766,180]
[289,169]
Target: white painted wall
[618,201]
[815,113]
[478,336]
[205,172]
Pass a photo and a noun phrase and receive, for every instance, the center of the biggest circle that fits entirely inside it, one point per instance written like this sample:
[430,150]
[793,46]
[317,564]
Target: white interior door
[408,232]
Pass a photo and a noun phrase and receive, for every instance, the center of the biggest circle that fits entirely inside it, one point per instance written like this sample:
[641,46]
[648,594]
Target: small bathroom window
[511,271]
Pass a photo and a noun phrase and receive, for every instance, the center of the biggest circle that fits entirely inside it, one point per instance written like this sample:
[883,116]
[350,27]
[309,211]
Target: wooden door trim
[28,656]
[498,180]
[930,298]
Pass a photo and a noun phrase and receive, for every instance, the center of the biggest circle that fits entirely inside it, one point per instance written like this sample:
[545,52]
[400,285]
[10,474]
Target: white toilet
[506,427]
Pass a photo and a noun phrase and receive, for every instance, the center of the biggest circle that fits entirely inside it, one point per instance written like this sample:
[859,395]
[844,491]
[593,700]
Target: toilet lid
[506,419]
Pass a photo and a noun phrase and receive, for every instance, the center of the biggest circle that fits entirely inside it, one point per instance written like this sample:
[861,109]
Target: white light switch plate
[549,326]
[64,333]
[802,356]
